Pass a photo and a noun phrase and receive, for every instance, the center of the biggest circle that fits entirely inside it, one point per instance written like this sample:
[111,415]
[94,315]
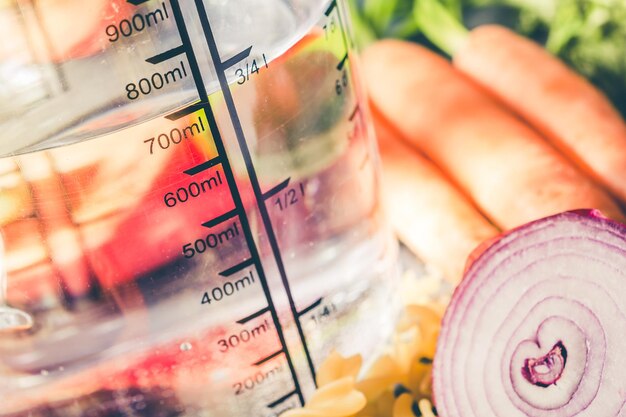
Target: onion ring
[537,328]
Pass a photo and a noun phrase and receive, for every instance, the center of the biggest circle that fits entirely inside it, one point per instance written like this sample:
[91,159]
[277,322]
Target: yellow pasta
[419,380]
[382,375]
[424,316]
[398,384]
[426,408]
[381,407]
[335,399]
[336,367]
[403,406]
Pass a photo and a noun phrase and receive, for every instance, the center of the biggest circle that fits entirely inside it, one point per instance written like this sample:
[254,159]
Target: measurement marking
[268,358]
[267,224]
[356,110]
[136,2]
[331,7]
[254,253]
[235,59]
[342,62]
[271,193]
[164,56]
[281,399]
[253,316]
[186,111]
[311,307]
[195,70]
[228,172]
[220,219]
[203,166]
[155,81]
[240,266]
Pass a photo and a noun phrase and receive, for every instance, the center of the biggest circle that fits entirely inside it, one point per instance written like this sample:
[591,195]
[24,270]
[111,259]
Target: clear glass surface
[189,206]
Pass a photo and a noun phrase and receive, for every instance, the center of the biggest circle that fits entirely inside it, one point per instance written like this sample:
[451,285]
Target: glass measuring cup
[189,206]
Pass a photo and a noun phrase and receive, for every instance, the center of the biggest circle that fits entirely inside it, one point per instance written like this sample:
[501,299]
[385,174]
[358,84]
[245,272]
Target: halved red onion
[538,326]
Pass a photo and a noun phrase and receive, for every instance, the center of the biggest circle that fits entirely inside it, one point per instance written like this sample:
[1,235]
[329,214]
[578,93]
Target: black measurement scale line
[254,253]
[281,399]
[253,316]
[356,110]
[203,166]
[228,172]
[268,358]
[221,219]
[243,146]
[280,187]
[334,6]
[237,58]
[311,307]
[342,62]
[186,111]
[239,267]
[164,56]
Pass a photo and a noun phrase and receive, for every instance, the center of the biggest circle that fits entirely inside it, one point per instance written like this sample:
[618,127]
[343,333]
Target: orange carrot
[512,174]
[431,217]
[577,118]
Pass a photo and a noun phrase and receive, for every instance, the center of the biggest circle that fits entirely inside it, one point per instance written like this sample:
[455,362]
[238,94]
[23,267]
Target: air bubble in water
[185,346]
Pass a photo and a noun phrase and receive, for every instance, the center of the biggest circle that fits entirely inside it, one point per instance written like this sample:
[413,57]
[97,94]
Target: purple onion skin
[537,328]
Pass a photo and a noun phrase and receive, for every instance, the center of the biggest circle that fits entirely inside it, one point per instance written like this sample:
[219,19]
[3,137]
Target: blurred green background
[589,35]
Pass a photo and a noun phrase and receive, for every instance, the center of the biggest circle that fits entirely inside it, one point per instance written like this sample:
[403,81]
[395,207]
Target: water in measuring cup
[130,255]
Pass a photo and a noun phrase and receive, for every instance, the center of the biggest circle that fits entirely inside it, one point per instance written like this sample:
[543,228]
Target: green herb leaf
[439,25]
